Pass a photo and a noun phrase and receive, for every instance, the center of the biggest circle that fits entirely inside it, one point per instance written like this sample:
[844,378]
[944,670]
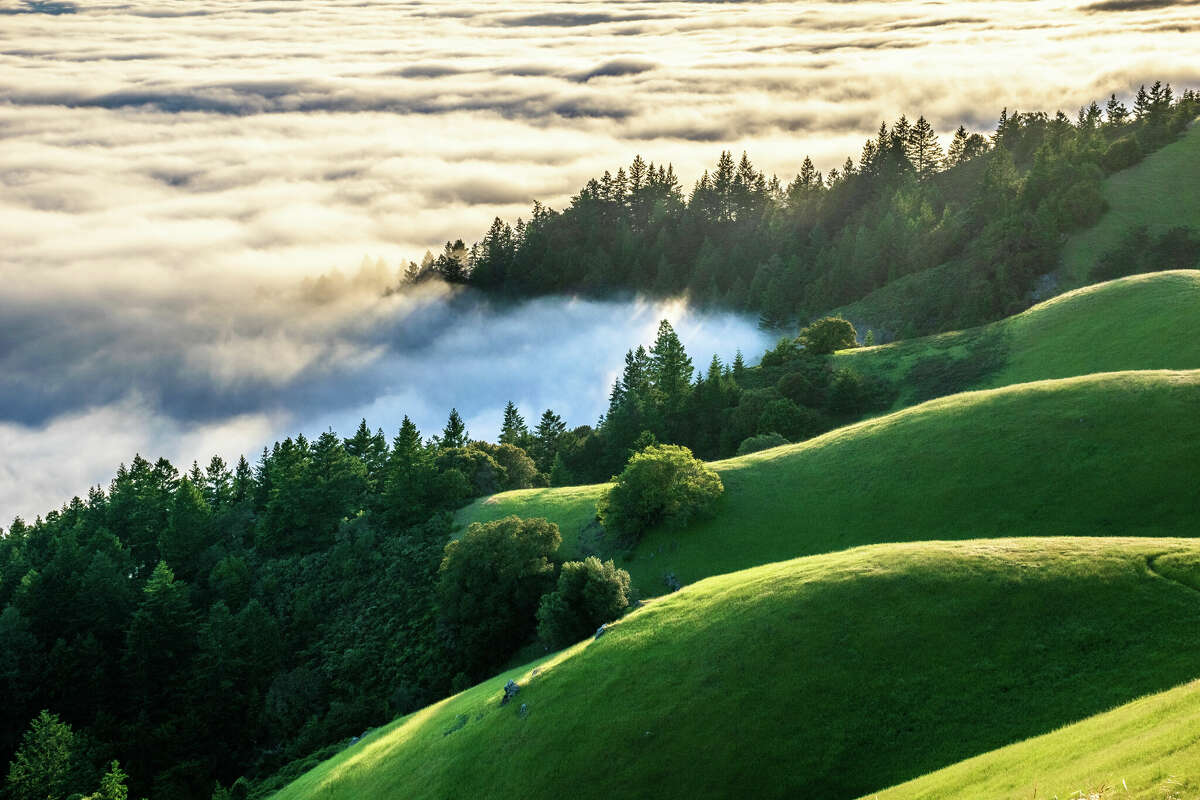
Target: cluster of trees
[501,583]
[991,210]
[204,625]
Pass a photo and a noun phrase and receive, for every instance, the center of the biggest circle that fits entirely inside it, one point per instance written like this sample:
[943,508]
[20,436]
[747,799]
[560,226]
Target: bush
[484,475]
[785,350]
[589,594]
[1122,154]
[489,585]
[794,422]
[519,470]
[761,442]
[827,335]
[664,484]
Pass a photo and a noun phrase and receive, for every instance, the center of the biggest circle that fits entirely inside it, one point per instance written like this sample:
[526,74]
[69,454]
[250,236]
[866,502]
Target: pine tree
[954,155]
[923,149]
[670,370]
[455,432]
[546,436]
[514,431]
[1142,103]
[1115,111]
[46,765]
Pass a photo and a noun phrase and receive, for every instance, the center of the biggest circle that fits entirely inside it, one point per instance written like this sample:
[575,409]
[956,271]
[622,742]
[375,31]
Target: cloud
[173,170]
[1135,5]
[230,367]
[617,68]
[52,7]
[573,19]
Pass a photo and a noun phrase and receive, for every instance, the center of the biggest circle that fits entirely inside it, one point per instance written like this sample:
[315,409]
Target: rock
[510,691]
[600,631]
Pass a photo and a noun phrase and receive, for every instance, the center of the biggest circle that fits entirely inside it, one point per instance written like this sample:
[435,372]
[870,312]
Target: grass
[1148,749]
[1111,454]
[1159,192]
[1140,322]
[831,676]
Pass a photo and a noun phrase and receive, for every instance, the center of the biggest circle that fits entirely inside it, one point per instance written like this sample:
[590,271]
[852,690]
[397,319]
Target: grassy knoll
[1110,454]
[1148,749]
[1160,192]
[1140,322]
[830,676]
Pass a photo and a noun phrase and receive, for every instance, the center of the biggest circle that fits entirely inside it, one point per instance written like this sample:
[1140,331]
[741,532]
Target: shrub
[761,442]
[519,470]
[785,350]
[589,594]
[827,335]
[664,484]
[794,422]
[489,585]
[1121,154]
[484,475]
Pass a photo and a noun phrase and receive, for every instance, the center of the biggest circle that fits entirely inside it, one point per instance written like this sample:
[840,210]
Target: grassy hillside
[1148,749]
[1109,454]
[1140,322]
[831,676]
[1160,192]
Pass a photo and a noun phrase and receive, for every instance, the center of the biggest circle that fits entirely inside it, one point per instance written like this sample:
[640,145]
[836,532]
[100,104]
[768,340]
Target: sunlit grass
[1159,192]
[1140,322]
[1111,454]
[830,676]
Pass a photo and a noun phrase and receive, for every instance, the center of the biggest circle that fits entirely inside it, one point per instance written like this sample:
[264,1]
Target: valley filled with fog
[177,176]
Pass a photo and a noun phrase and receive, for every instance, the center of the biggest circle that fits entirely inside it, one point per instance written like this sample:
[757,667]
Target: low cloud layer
[234,367]
[171,170]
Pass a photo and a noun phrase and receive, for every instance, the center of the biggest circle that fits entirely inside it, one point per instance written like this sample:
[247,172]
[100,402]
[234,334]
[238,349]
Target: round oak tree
[589,594]
[489,585]
[661,485]
[828,334]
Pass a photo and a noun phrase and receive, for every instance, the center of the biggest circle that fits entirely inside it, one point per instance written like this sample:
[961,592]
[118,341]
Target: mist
[232,371]
[172,171]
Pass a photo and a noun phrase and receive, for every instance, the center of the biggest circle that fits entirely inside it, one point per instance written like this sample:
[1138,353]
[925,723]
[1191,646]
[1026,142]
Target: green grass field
[1110,454]
[832,676]
[1160,192]
[1148,749]
[1140,322]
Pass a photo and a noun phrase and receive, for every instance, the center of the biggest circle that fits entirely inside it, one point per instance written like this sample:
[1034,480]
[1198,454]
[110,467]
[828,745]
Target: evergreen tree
[958,145]
[455,433]
[47,765]
[670,369]
[1115,112]
[513,430]
[923,149]
[546,436]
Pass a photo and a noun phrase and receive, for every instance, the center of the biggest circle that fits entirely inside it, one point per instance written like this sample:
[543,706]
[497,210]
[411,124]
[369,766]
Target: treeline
[204,625]
[993,210]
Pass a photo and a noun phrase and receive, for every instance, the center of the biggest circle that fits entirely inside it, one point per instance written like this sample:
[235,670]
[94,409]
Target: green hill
[1110,454]
[1148,749]
[830,676]
[1140,322]
[1160,192]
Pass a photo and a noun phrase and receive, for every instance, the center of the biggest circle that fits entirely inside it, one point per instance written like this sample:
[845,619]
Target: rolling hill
[831,676]
[1109,454]
[1146,749]
[1139,322]
[1159,192]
